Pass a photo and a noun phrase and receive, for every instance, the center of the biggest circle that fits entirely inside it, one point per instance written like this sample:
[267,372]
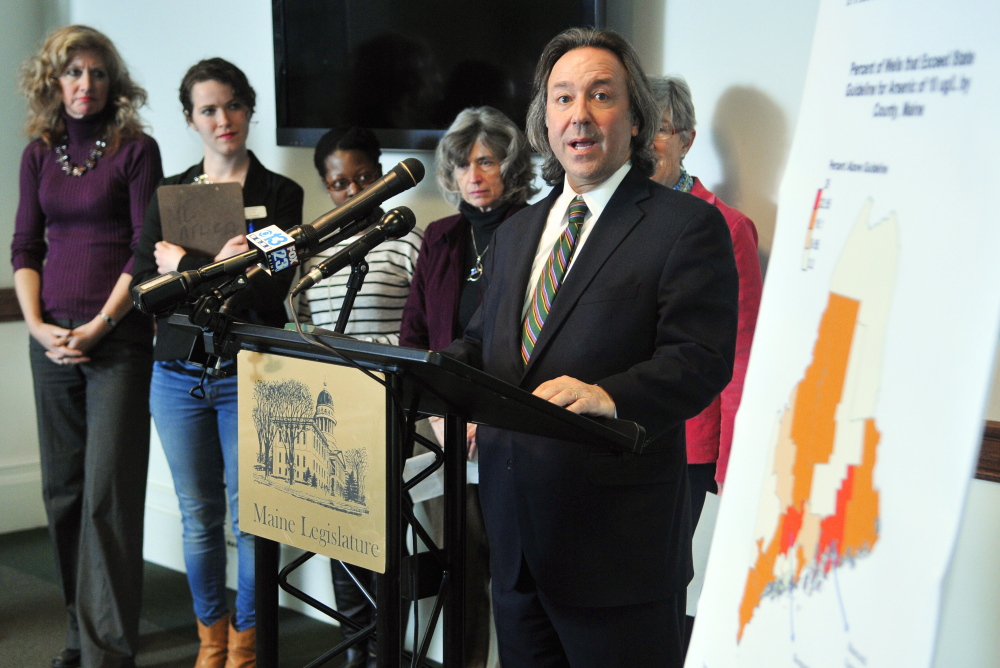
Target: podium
[418,384]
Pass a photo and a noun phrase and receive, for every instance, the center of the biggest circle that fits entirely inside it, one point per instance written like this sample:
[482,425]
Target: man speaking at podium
[613,296]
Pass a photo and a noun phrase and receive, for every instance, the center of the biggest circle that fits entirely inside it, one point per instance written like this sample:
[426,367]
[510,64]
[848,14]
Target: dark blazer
[648,311]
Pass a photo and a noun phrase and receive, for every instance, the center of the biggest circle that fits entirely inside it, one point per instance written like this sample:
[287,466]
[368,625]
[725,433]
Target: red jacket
[710,434]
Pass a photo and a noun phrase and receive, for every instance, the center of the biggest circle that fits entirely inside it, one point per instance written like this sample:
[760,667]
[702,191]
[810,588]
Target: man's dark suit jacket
[648,312]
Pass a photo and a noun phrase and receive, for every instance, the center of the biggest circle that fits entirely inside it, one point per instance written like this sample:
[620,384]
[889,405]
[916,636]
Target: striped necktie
[551,278]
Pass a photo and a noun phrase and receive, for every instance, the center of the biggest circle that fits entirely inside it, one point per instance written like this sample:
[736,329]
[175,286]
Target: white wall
[17,45]
[20,476]
[746,63]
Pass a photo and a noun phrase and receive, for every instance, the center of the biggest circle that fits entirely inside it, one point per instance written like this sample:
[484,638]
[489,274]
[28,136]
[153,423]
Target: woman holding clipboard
[199,436]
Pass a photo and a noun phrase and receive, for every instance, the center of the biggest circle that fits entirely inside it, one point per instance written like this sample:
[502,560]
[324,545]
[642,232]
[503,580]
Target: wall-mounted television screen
[405,68]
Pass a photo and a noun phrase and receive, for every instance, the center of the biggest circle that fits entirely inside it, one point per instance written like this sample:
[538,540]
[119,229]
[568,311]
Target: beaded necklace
[68,168]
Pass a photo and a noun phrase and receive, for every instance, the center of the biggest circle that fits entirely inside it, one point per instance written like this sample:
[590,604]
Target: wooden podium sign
[312,457]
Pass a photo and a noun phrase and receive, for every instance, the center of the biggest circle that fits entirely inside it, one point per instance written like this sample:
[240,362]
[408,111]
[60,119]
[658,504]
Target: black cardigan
[262,302]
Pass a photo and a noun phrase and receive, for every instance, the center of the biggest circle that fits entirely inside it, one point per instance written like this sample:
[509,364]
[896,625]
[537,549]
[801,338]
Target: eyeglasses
[362,181]
[664,134]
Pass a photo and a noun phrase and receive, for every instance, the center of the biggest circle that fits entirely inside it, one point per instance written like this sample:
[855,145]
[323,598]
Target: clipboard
[201,218]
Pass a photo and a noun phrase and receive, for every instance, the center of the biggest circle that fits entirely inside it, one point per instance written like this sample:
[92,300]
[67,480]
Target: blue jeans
[199,438]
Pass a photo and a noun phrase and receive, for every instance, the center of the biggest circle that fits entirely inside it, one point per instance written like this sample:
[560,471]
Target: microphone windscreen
[410,169]
[398,222]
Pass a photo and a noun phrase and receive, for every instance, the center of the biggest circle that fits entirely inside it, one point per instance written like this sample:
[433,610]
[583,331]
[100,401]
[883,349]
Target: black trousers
[534,632]
[93,430]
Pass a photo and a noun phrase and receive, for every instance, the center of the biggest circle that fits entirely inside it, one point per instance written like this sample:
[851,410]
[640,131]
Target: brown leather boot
[214,642]
[242,648]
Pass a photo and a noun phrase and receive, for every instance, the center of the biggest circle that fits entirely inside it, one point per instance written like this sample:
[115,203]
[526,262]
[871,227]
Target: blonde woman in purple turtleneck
[86,178]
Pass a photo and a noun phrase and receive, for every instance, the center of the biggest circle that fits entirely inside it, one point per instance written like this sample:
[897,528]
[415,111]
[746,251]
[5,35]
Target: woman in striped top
[347,161]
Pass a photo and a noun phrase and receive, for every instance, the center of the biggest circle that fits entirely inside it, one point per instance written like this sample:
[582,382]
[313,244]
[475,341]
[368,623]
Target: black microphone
[283,250]
[395,224]
[163,292]
[278,250]
[403,176]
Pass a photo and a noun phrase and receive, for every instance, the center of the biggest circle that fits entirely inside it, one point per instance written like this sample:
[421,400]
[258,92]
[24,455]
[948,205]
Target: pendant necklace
[477,271]
[68,168]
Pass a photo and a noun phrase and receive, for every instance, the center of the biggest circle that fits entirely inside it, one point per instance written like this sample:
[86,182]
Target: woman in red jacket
[710,434]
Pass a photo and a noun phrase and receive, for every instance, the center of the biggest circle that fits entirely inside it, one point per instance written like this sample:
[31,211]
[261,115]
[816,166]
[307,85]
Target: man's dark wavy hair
[642,105]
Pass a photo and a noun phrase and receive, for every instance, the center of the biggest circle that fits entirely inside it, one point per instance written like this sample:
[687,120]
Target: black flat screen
[405,68]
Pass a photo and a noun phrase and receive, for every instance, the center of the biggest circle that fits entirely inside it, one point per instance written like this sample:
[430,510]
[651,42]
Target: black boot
[68,658]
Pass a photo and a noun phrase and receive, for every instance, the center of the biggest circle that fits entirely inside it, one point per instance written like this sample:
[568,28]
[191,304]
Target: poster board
[312,457]
[863,404]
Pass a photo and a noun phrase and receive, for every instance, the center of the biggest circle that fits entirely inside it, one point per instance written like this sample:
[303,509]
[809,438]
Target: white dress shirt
[558,220]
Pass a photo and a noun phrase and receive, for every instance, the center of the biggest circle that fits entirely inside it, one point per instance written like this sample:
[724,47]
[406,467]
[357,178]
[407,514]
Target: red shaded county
[853,529]
[831,536]
[790,529]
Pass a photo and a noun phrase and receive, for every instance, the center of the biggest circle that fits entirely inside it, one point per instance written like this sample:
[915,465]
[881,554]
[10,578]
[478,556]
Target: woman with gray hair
[710,434]
[484,167]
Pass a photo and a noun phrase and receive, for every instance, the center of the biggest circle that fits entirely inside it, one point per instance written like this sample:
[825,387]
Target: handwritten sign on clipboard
[201,217]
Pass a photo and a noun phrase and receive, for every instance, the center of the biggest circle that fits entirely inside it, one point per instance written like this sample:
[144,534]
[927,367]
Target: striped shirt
[378,308]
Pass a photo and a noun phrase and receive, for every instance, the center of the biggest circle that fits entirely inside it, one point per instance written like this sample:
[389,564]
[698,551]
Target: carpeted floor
[32,617]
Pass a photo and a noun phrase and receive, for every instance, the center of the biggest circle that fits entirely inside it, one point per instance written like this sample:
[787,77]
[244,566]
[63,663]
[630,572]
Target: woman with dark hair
[709,434]
[199,436]
[348,162]
[483,166]
[86,178]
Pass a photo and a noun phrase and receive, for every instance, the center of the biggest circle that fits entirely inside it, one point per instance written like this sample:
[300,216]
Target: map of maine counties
[820,507]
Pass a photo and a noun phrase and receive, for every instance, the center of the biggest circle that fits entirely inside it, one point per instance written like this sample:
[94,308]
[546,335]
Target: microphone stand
[359,270]
[210,312]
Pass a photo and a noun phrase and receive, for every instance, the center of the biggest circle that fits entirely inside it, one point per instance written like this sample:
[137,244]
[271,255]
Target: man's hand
[470,441]
[577,396]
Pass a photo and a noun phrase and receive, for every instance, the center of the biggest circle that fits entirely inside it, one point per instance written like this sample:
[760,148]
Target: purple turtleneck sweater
[78,233]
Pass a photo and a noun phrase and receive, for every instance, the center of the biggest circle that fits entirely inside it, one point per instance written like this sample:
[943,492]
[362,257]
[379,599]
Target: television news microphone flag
[277,250]
[395,224]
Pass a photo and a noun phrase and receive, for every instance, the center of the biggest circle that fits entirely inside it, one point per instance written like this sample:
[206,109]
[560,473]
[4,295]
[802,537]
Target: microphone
[277,250]
[281,250]
[402,177]
[162,292]
[395,224]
